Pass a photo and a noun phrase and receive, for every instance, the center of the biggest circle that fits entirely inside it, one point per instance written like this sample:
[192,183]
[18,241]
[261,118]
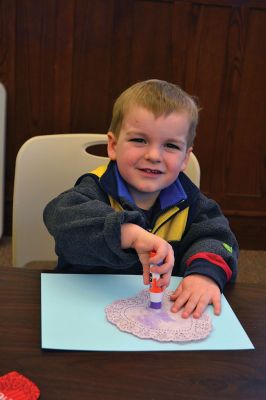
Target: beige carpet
[251,267]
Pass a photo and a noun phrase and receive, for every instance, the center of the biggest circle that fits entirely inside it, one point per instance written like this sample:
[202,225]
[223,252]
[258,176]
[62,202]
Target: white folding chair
[46,166]
[2,153]
[193,169]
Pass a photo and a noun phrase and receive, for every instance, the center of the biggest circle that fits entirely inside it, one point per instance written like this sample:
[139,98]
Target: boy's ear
[186,159]
[111,145]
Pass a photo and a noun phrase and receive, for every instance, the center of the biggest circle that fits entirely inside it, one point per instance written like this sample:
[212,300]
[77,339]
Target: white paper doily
[135,316]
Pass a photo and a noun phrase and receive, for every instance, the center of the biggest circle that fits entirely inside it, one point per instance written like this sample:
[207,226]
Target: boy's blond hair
[159,97]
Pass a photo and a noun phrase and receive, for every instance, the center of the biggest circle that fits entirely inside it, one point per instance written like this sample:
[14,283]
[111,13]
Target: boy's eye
[172,146]
[137,140]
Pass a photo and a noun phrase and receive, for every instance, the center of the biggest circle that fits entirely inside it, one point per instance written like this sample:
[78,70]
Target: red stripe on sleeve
[214,259]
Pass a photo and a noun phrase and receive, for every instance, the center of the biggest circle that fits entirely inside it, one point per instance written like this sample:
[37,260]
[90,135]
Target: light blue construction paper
[73,317]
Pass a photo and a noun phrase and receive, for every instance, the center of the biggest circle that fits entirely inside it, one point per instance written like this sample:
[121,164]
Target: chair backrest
[2,153]
[193,169]
[46,166]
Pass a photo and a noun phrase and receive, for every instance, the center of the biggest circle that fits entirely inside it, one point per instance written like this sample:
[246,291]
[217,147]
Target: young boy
[142,202]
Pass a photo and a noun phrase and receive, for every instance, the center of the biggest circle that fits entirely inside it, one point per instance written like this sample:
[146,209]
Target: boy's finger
[164,280]
[190,306]
[146,275]
[162,269]
[176,293]
[180,301]
[217,306]
[201,306]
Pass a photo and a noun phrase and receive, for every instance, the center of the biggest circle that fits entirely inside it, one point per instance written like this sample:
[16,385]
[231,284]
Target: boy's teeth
[153,171]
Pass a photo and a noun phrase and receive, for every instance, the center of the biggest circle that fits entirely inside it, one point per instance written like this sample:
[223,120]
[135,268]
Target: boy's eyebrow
[180,142]
[173,139]
[136,133]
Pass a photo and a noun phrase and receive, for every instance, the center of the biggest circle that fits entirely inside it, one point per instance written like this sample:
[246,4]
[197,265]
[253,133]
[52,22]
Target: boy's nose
[153,154]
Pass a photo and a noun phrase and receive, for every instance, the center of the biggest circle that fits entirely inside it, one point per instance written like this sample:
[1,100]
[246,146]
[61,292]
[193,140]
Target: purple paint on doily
[151,319]
[166,317]
[148,320]
[135,316]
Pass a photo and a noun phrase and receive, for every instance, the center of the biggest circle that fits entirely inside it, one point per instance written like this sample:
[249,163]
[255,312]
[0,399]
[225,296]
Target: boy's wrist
[129,234]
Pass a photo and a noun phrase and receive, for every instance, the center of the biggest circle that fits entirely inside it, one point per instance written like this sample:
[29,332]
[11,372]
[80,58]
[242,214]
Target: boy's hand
[133,236]
[194,293]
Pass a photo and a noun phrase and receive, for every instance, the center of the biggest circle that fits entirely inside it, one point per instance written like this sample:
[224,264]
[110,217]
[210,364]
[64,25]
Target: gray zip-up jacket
[85,222]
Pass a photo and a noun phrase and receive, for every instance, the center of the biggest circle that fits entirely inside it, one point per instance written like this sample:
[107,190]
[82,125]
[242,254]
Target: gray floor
[252,264]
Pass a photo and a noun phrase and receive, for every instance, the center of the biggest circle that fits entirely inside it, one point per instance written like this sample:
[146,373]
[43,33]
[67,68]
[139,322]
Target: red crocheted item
[14,386]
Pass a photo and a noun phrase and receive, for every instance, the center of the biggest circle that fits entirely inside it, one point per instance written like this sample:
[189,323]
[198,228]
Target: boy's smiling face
[150,152]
